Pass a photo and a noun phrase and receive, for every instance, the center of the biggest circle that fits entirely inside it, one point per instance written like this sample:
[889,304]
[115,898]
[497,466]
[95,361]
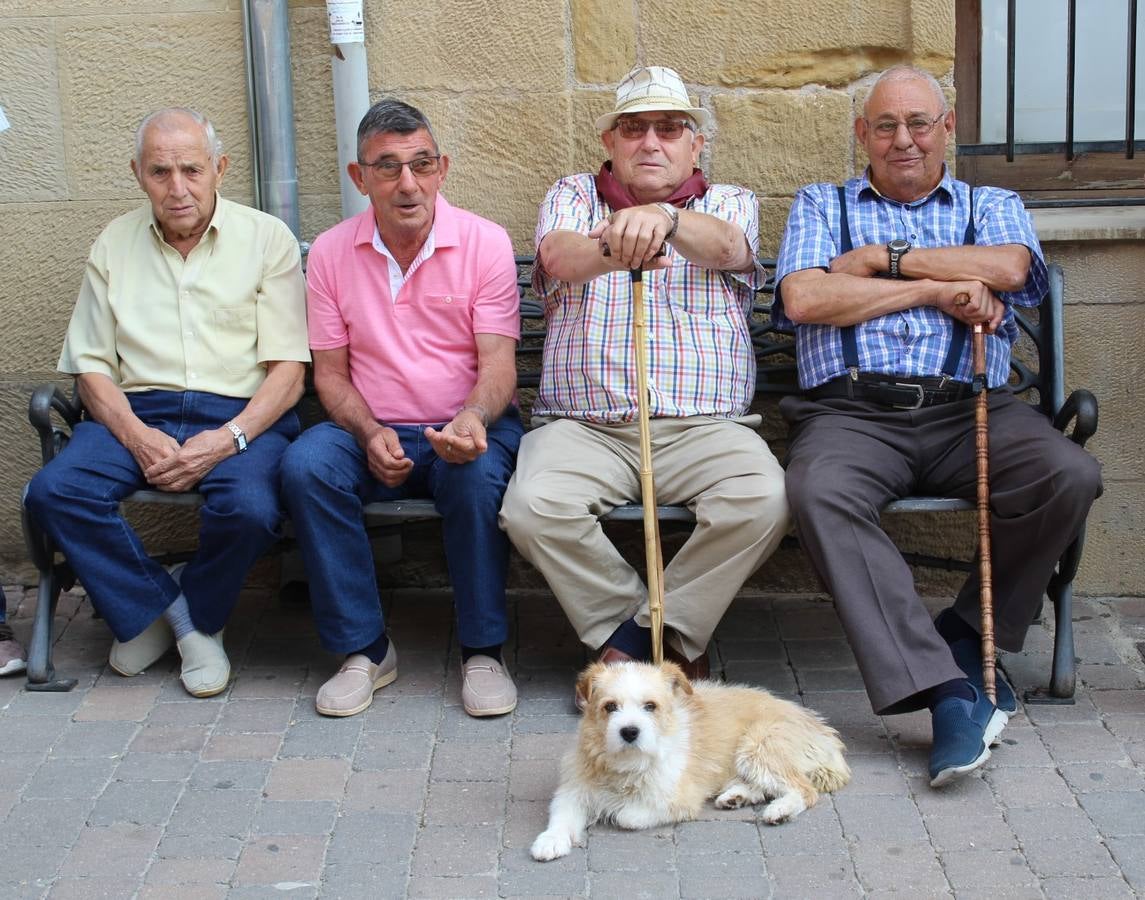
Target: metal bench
[1037,371]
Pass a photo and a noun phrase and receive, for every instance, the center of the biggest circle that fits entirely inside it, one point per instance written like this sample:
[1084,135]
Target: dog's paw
[731,799]
[552,844]
[782,809]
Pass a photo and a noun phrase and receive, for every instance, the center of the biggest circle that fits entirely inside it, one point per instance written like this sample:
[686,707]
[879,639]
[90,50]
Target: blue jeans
[3,606]
[75,499]
[326,482]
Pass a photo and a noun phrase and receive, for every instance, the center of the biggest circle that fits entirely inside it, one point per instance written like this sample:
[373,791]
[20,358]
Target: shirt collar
[945,185]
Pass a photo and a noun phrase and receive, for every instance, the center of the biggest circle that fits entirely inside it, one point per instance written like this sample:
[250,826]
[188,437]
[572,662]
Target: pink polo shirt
[413,358]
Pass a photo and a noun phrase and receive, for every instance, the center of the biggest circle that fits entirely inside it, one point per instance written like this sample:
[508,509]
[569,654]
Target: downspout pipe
[351,91]
[270,99]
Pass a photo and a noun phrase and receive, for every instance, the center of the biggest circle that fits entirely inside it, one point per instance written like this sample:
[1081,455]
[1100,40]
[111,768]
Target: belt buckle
[917,388]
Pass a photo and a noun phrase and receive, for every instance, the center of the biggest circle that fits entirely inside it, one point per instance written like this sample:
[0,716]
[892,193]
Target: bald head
[898,75]
[178,118]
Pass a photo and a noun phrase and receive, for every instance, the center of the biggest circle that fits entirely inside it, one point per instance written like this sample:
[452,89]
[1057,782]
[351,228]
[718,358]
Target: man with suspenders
[883,279]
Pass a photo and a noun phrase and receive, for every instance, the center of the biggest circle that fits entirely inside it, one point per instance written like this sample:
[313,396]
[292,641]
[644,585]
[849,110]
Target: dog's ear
[676,678]
[586,682]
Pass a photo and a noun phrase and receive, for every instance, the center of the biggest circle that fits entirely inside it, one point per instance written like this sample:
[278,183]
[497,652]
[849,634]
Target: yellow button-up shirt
[151,320]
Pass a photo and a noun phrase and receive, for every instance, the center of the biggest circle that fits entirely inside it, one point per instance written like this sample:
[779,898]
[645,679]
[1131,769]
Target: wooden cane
[652,554]
[982,455]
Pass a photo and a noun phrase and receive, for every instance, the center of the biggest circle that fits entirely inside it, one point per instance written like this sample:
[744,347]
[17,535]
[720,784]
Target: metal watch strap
[674,214]
[239,437]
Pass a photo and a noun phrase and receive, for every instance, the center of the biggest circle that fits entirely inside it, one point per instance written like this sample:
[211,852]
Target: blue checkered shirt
[912,342]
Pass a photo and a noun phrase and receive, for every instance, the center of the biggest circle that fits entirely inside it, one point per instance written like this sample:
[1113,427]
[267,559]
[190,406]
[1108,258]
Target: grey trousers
[848,459]
[570,473]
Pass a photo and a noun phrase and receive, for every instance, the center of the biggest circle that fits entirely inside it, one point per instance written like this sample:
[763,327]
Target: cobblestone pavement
[130,788]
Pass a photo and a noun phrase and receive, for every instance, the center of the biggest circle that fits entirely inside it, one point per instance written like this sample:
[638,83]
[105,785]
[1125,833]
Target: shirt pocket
[447,308]
[234,337]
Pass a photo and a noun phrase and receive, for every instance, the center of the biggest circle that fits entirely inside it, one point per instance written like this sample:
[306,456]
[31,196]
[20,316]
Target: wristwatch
[240,437]
[897,249]
[674,214]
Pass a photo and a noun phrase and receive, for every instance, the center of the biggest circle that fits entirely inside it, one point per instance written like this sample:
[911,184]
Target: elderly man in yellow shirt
[188,343]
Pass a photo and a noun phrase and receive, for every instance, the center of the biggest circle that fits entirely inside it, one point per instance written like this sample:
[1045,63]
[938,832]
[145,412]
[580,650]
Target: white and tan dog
[652,747]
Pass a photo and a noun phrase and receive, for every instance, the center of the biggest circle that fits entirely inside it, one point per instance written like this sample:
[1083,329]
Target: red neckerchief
[618,197]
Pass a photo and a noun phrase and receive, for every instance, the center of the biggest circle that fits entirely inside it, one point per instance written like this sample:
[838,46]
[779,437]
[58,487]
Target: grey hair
[214,146]
[908,73]
[390,116]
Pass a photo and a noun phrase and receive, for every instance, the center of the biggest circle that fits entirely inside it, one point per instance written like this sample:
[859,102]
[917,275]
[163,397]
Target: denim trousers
[3,606]
[75,500]
[325,483]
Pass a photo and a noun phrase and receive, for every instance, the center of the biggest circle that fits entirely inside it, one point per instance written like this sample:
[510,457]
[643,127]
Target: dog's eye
[650,706]
[610,707]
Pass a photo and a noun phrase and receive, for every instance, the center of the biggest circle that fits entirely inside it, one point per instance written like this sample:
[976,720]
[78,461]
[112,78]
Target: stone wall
[512,89]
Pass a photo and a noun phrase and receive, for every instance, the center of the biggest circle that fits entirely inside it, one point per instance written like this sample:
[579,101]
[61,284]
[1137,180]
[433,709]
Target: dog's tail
[831,771]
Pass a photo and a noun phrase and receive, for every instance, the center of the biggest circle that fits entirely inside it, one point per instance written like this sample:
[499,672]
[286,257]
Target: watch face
[898,245]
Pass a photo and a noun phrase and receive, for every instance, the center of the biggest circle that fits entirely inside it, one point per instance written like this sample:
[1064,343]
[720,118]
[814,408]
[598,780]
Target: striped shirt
[700,358]
[912,342]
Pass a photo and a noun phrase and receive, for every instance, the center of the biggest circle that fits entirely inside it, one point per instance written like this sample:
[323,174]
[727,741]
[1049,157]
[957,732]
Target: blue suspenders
[847,334]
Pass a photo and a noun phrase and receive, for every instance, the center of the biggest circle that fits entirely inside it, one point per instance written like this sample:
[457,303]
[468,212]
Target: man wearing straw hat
[882,279]
[583,461]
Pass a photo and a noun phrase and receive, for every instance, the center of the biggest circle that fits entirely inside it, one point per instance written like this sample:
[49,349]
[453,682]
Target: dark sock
[952,627]
[377,650]
[956,687]
[493,652]
[632,639]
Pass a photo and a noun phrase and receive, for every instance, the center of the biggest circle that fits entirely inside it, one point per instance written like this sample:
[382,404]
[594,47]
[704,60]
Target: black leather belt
[891,391]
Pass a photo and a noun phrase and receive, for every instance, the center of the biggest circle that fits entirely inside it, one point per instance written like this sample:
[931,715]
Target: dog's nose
[630,733]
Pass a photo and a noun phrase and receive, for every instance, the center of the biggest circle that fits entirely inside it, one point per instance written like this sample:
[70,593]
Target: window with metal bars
[1051,100]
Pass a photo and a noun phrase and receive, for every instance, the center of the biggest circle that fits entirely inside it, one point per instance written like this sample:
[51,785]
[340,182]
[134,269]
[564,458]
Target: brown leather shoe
[697,669]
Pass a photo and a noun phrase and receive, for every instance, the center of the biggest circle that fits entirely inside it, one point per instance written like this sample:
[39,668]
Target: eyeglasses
[391,169]
[666,129]
[918,126]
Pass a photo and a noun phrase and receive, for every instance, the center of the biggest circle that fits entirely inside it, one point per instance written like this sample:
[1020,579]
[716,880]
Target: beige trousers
[571,473]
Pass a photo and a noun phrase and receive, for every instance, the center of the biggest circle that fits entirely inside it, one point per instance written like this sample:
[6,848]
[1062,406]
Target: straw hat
[651,89]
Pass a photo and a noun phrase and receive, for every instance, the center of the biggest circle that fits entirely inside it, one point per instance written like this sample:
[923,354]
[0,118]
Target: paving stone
[1020,747]
[242,746]
[230,774]
[1040,823]
[315,739]
[522,876]
[47,820]
[476,803]
[470,761]
[70,778]
[1082,743]
[224,813]
[647,852]
[87,888]
[456,850]
[155,766]
[183,872]
[247,716]
[816,831]
[752,650]
[376,840]
[988,873]
[700,839]
[903,866]
[875,775]
[1027,787]
[32,734]
[353,882]
[1066,857]
[395,714]
[456,725]
[899,819]
[566,725]
[539,746]
[315,817]
[1126,727]
[131,703]
[115,850]
[199,845]
[281,859]
[18,768]
[1071,888]
[820,653]
[533,779]
[254,682]
[1126,702]
[524,820]
[185,712]
[1116,813]
[136,803]
[308,779]
[776,677]
[169,739]
[809,875]
[970,832]
[1129,854]
[378,751]
[29,868]
[87,739]
[1107,677]
[727,875]
[654,883]
[390,790]
[1089,778]
[829,679]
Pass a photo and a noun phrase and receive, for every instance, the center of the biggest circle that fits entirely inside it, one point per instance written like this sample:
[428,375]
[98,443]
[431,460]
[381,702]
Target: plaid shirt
[912,342]
[700,358]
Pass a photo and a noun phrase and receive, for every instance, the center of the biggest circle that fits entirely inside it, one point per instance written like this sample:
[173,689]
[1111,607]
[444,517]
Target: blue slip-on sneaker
[962,733]
[967,653]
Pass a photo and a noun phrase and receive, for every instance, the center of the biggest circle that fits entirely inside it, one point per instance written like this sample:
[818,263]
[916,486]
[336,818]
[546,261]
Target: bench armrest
[1080,407]
[45,399]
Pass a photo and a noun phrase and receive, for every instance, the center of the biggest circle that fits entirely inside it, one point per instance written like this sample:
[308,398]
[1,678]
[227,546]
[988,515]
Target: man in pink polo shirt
[413,318]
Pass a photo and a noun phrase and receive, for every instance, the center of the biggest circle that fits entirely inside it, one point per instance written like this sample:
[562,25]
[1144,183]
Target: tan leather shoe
[486,688]
[352,689]
[132,657]
[206,671]
[698,668]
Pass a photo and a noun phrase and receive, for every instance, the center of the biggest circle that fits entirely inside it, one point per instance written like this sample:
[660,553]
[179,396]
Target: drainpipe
[351,92]
[270,100]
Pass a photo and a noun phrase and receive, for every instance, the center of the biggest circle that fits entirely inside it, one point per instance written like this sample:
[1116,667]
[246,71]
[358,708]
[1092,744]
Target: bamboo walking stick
[982,455]
[652,554]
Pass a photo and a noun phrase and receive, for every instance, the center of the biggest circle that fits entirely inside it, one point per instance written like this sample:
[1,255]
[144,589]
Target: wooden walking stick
[653,557]
[982,455]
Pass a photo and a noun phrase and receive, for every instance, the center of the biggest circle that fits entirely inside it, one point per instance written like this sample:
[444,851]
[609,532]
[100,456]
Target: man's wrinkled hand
[152,446]
[198,455]
[461,440]
[387,459]
[971,302]
[634,237]
[862,262]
